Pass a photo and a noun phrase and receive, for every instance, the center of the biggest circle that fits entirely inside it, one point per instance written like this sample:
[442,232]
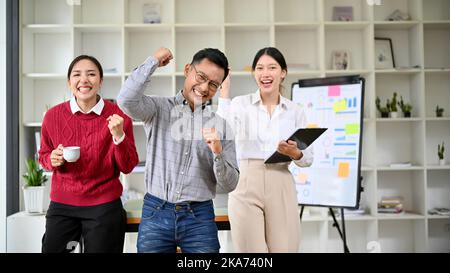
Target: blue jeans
[188,225]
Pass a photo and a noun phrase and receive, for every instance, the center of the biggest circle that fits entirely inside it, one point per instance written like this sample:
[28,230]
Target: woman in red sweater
[85,195]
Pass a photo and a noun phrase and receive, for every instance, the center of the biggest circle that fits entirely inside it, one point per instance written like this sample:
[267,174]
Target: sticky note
[312,125]
[302,177]
[352,129]
[344,169]
[340,106]
[334,91]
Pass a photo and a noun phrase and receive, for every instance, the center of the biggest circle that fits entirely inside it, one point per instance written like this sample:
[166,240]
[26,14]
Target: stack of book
[391,205]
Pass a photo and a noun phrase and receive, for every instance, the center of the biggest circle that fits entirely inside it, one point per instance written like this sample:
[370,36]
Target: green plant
[393,103]
[383,110]
[406,107]
[34,176]
[441,150]
[439,111]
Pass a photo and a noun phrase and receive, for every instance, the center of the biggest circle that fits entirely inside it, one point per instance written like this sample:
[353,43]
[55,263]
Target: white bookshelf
[53,33]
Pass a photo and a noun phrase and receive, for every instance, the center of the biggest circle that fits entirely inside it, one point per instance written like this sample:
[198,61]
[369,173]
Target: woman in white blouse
[263,209]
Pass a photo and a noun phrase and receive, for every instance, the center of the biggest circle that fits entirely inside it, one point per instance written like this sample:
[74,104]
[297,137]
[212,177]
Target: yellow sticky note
[340,106]
[344,169]
[312,125]
[302,177]
[352,129]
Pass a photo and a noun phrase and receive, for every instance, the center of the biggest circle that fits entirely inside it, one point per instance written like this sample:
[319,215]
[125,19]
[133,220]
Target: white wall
[2,126]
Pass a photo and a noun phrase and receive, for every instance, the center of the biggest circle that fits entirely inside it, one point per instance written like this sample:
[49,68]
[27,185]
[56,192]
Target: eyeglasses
[202,78]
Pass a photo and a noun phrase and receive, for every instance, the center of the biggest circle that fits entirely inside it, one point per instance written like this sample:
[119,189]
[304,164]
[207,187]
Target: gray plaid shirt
[179,166]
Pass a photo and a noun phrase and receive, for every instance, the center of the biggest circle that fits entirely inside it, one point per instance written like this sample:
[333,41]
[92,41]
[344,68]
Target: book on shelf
[391,200]
[439,211]
[391,205]
[401,165]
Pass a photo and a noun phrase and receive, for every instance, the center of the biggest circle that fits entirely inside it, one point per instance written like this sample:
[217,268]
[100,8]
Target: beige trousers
[263,209]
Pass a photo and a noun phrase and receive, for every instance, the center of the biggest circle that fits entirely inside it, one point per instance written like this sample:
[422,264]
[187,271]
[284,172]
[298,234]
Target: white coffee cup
[71,153]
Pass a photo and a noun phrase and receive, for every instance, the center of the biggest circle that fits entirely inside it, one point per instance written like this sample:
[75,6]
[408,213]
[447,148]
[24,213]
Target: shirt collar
[97,109]
[256,98]
[180,99]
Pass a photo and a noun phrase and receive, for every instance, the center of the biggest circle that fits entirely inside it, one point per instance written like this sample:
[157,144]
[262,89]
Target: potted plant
[33,190]
[405,107]
[441,150]
[439,111]
[384,111]
[393,112]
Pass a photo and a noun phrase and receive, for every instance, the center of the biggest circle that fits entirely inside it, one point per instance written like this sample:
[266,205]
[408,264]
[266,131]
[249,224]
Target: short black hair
[85,57]
[214,55]
[272,52]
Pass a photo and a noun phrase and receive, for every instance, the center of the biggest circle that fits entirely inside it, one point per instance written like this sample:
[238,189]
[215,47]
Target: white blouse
[257,133]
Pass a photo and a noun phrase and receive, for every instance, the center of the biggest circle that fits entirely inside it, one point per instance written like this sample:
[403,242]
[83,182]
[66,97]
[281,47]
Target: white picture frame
[341,60]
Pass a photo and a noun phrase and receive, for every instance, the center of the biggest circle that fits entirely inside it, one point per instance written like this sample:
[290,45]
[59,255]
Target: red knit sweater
[94,178]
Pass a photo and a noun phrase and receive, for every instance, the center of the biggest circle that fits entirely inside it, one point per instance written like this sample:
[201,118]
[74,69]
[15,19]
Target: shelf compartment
[247,11]
[134,11]
[408,184]
[402,236]
[316,229]
[355,42]
[439,235]
[437,93]
[141,43]
[412,7]
[438,189]
[406,45]
[436,10]
[359,232]
[436,133]
[46,12]
[242,44]
[408,86]
[104,44]
[436,46]
[47,52]
[361,10]
[208,12]
[296,11]
[189,41]
[400,142]
[290,41]
[99,12]
[41,94]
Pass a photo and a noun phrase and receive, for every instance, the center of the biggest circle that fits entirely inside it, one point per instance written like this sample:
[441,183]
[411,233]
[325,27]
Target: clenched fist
[163,55]
[212,138]
[115,125]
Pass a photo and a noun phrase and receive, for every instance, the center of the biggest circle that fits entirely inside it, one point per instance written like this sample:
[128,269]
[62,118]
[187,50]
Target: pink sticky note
[334,91]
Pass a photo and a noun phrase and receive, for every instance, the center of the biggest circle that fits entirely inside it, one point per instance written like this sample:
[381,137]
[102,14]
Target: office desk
[134,212]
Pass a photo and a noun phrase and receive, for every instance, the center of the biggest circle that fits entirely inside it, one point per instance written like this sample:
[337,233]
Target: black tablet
[304,137]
